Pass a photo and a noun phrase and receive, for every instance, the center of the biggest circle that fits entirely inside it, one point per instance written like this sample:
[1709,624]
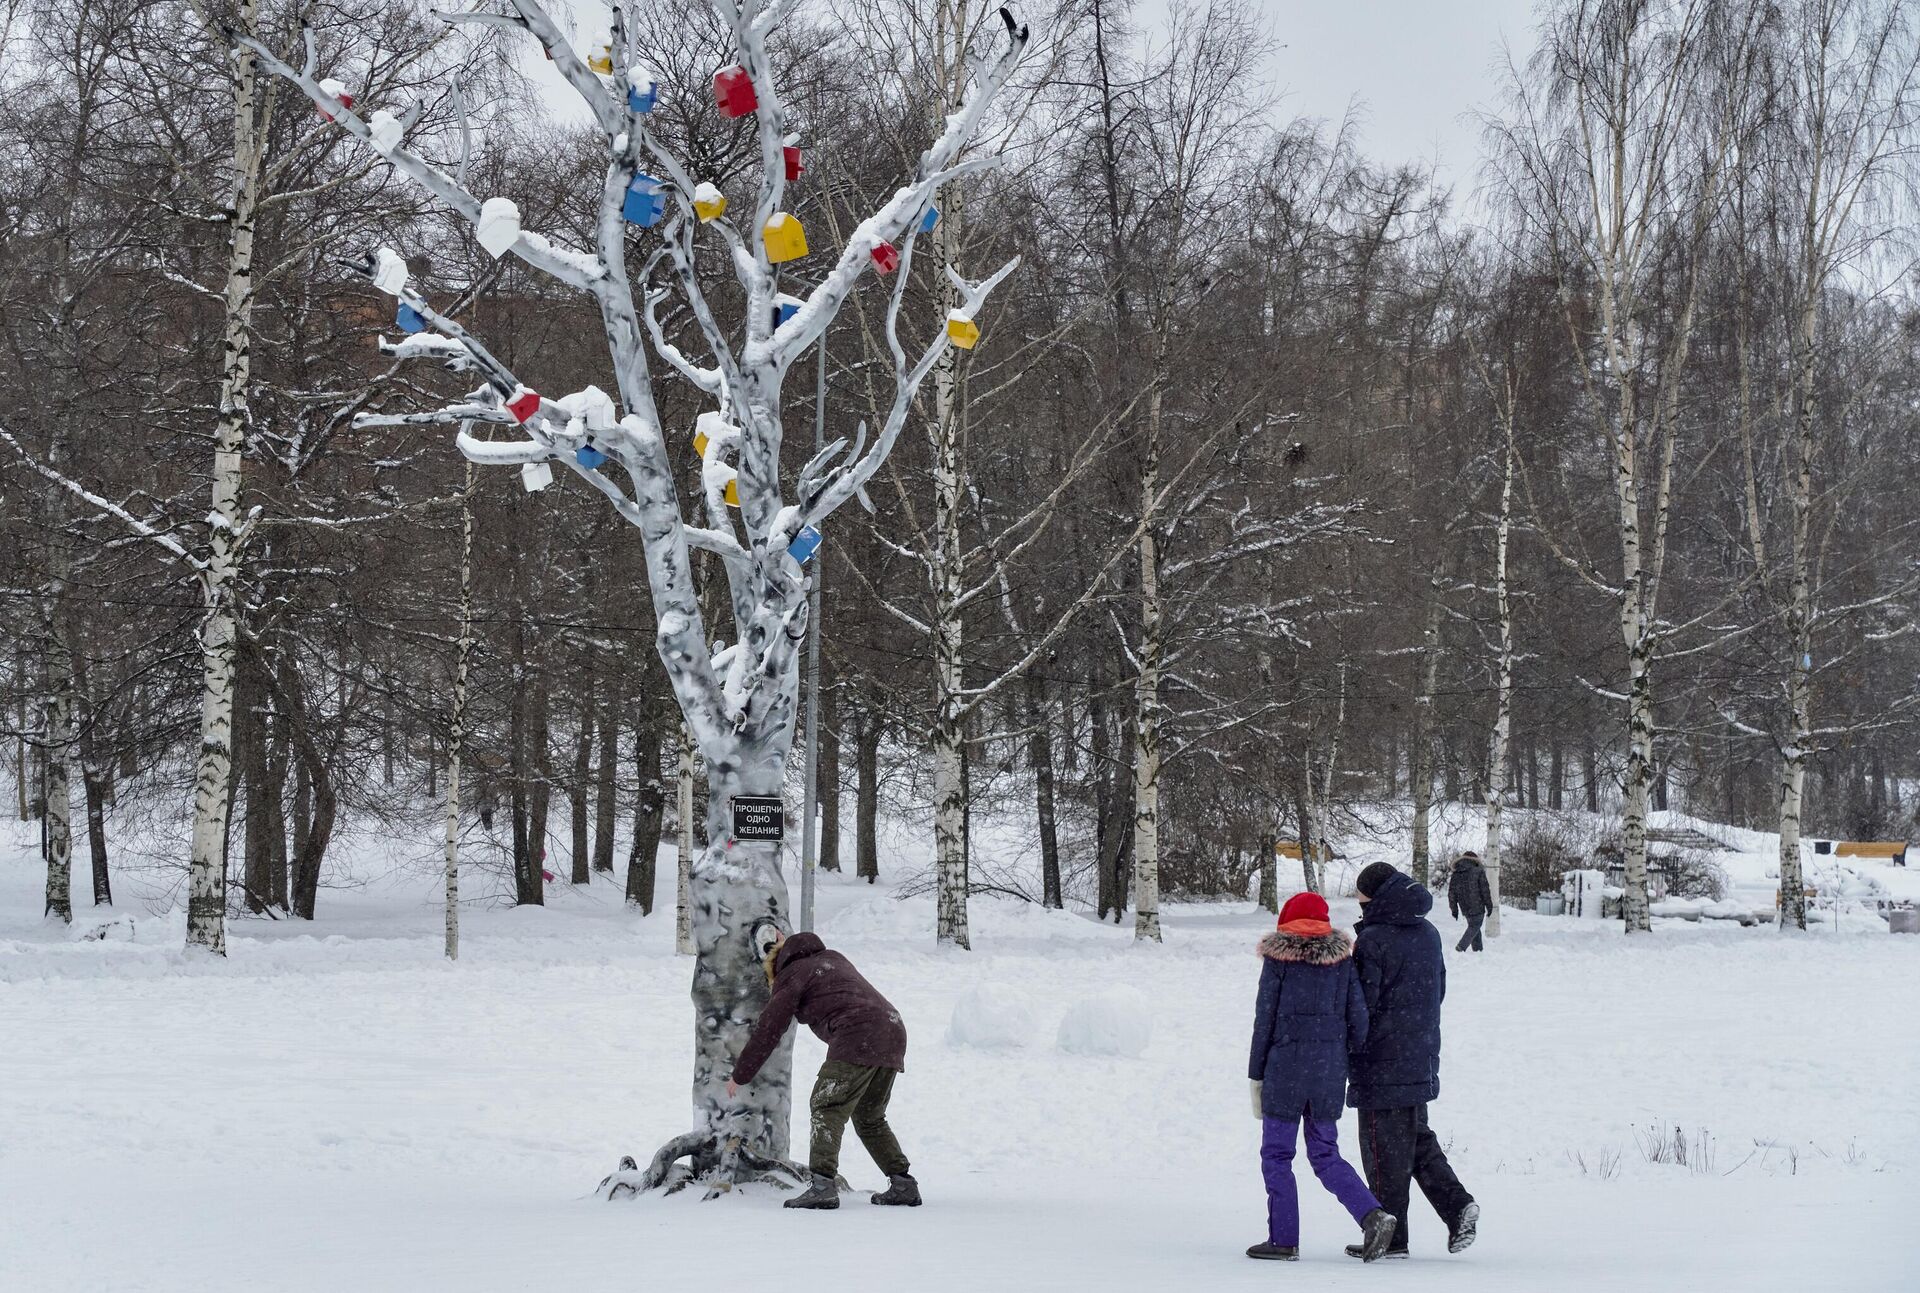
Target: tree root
[715,1164]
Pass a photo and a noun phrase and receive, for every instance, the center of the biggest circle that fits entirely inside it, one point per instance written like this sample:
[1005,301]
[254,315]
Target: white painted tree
[739,700]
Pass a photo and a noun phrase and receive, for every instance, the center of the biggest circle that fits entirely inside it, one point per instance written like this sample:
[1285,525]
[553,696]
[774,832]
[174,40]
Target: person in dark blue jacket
[1395,1070]
[1309,1015]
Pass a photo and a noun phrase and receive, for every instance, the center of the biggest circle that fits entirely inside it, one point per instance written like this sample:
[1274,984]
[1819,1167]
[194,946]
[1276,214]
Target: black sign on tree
[759,817]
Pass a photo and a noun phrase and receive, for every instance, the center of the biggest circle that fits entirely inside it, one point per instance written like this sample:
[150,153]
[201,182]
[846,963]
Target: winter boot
[1273,1253]
[822,1195]
[1391,1255]
[1378,1227]
[902,1192]
[1461,1234]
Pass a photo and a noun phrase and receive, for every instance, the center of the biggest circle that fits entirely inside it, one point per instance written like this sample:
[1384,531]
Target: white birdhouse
[385,130]
[499,226]
[536,476]
[389,271]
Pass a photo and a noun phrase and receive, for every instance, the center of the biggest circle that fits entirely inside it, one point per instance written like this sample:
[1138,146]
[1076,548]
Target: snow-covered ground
[335,1107]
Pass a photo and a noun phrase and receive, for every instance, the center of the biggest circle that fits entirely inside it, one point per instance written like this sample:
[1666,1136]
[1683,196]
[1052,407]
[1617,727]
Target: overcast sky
[1416,69]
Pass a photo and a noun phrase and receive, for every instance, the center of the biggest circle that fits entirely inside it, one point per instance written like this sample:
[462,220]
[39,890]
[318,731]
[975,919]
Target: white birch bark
[1503,690]
[59,790]
[1147,713]
[213,775]
[457,727]
[683,840]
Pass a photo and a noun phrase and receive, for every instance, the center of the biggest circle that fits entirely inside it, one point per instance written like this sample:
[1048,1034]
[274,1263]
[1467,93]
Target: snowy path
[383,1121]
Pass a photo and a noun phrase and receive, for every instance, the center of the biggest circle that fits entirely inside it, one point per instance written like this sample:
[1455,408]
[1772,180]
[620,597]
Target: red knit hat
[1304,906]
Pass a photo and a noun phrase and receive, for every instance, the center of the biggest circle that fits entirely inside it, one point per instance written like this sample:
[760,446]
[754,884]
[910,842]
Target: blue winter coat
[1310,1014]
[1396,954]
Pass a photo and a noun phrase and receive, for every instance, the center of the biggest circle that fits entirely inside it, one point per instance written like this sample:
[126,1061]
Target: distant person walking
[1469,895]
[1310,1013]
[866,1050]
[1396,1071]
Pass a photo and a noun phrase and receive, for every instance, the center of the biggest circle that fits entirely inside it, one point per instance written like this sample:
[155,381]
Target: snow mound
[991,1017]
[1115,1022]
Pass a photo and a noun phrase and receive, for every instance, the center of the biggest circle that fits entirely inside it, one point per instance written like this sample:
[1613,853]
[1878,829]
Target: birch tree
[738,698]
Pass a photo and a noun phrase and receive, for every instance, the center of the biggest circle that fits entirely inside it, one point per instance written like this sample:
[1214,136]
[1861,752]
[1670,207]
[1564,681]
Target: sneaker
[902,1192]
[1273,1253]
[823,1195]
[1461,1234]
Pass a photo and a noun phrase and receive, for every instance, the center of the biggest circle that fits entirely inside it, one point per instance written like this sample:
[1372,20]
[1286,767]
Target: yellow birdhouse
[733,492]
[709,203]
[700,443]
[786,240]
[962,331]
[600,56]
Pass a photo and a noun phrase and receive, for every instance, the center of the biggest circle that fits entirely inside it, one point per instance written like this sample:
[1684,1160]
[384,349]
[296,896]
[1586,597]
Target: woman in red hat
[1310,1014]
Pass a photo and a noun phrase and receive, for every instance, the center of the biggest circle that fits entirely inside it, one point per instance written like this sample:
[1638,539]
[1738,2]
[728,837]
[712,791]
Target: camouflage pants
[853,1091]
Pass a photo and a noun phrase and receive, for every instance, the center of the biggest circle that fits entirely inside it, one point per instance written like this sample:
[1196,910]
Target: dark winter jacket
[1468,891]
[822,990]
[1309,1015]
[1396,954]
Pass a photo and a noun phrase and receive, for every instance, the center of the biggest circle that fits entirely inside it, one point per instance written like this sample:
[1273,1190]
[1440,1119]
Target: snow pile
[1115,1022]
[991,1017]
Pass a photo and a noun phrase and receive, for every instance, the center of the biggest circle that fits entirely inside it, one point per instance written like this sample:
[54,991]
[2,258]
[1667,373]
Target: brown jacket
[822,990]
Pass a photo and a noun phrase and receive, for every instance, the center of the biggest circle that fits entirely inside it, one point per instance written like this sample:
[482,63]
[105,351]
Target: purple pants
[1323,1152]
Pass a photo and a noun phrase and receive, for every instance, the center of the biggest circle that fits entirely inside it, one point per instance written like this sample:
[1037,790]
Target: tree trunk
[866,808]
[1040,759]
[650,801]
[829,771]
[1421,759]
[1270,874]
[58,807]
[1146,725]
[250,740]
[457,722]
[683,906]
[540,789]
[607,779]
[1503,690]
[578,793]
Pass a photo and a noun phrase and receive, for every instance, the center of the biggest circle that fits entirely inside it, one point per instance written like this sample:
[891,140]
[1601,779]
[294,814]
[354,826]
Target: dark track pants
[1397,1148]
[1472,937]
[857,1092]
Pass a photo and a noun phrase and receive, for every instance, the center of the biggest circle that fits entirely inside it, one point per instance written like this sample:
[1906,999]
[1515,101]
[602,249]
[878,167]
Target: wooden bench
[1894,851]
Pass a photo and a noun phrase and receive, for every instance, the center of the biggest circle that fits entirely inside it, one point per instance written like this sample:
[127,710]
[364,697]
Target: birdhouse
[732,492]
[929,220]
[785,239]
[643,92]
[646,202]
[600,55]
[785,307]
[499,226]
[523,403]
[700,443]
[709,203]
[389,271]
[338,91]
[535,476]
[804,545]
[962,331]
[385,130]
[733,91]
[795,167]
[589,457]
[710,423]
[886,258]
[408,319]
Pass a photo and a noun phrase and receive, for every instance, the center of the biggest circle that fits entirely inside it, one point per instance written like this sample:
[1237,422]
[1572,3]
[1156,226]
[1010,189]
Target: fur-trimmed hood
[1329,948]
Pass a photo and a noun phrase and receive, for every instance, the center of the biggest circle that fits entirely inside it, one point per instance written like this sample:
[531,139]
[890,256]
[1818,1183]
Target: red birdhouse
[886,258]
[523,404]
[733,91]
[338,91]
[795,167]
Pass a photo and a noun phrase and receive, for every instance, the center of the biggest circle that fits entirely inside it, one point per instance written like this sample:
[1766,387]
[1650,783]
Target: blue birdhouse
[804,545]
[643,101]
[589,457]
[408,319]
[785,307]
[646,202]
[930,219]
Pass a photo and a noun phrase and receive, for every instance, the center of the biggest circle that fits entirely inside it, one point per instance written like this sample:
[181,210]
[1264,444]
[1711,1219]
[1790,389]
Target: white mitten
[1254,1088]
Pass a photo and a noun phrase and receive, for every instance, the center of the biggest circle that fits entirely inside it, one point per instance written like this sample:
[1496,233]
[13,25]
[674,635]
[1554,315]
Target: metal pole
[808,844]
